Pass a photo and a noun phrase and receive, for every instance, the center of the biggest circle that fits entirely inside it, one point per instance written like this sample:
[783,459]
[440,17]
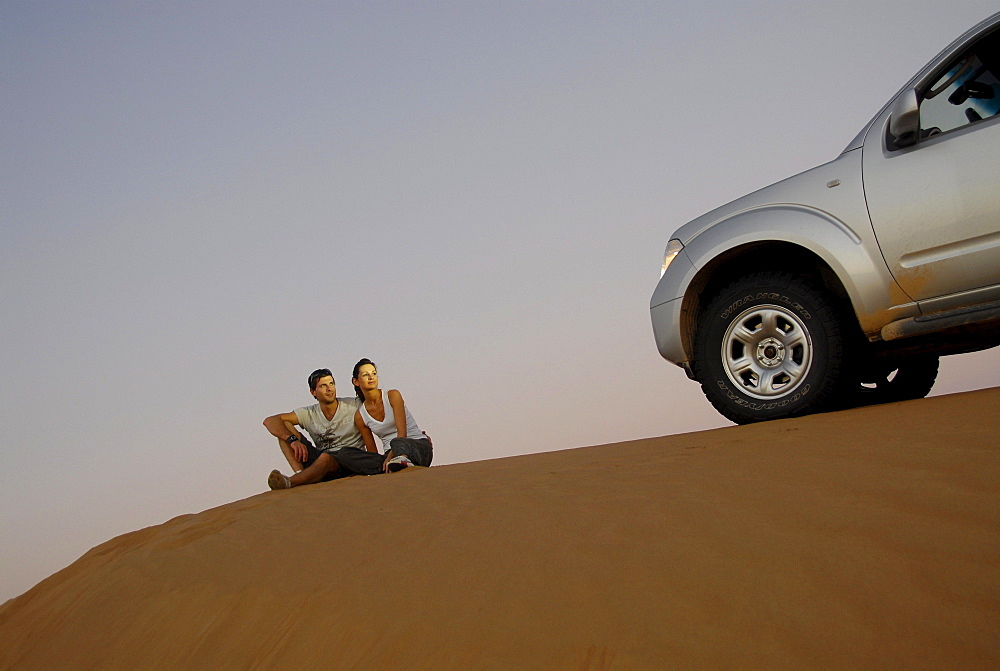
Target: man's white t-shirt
[329,435]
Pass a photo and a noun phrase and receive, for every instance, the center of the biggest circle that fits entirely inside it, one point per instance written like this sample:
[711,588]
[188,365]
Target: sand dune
[868,538]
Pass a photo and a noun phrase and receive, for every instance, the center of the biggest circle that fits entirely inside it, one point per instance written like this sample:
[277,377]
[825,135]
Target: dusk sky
[203,202]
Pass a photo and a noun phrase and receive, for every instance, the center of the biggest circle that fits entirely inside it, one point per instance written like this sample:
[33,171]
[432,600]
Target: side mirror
[904,119]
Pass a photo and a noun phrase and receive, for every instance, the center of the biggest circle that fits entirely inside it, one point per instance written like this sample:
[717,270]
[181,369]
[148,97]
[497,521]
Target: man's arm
[280,426]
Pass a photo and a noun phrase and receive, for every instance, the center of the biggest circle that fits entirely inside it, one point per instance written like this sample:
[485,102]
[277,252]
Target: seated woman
[384,414]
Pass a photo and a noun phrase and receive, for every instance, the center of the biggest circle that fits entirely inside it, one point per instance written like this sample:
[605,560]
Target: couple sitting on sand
[344,431]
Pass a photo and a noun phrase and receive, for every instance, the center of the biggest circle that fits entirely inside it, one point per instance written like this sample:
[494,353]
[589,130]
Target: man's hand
[299,450]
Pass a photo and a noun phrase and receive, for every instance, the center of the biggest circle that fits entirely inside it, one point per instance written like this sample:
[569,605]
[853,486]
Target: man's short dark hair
[318,375]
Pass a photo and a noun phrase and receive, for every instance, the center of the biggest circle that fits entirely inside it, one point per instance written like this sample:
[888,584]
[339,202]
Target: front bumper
[665,310]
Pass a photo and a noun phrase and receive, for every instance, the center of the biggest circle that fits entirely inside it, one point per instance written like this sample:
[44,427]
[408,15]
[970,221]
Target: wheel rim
[767,351]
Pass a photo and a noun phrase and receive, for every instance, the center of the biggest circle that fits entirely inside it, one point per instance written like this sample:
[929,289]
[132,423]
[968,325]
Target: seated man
[339,449]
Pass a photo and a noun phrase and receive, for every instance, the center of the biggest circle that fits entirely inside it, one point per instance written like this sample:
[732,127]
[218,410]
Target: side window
[967,92]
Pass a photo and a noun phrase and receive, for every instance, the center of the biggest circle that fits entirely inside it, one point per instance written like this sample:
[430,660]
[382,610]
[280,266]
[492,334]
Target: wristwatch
[291,439]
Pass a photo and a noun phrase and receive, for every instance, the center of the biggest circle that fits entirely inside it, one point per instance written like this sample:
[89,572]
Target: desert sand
[861,539]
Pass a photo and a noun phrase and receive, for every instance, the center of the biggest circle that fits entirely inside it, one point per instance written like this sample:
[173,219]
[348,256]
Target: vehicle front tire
[771,345]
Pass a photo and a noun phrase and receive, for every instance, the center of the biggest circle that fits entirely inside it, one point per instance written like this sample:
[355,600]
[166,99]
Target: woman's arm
[366,433]
[398,412]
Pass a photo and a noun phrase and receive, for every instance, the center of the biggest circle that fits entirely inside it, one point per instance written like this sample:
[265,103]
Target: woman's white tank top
[386,429]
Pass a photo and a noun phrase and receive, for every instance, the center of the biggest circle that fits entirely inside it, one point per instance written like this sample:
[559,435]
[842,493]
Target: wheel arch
[842,259]
[727,267]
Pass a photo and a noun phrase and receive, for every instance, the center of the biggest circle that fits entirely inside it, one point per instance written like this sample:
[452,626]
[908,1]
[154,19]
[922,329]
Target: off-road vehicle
[844,284]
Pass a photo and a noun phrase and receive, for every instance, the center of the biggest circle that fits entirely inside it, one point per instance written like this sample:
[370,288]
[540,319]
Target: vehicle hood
[788,191]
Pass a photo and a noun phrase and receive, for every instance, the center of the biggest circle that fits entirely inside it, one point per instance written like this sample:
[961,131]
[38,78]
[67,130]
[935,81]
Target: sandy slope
[867,538]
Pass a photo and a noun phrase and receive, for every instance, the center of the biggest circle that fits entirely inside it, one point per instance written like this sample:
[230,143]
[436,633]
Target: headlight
[674,248]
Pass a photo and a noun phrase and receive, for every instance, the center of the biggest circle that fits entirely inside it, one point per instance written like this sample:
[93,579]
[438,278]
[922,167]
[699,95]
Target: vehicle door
[935,204]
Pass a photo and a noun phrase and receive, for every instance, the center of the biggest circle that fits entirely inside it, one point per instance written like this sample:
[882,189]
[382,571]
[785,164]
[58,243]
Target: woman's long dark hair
[354,375]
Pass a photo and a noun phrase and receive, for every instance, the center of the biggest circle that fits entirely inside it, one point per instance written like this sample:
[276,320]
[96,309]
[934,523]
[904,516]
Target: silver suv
[843,285]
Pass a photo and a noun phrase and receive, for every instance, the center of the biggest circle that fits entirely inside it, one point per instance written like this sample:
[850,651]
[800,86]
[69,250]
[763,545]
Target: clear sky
[200,203]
